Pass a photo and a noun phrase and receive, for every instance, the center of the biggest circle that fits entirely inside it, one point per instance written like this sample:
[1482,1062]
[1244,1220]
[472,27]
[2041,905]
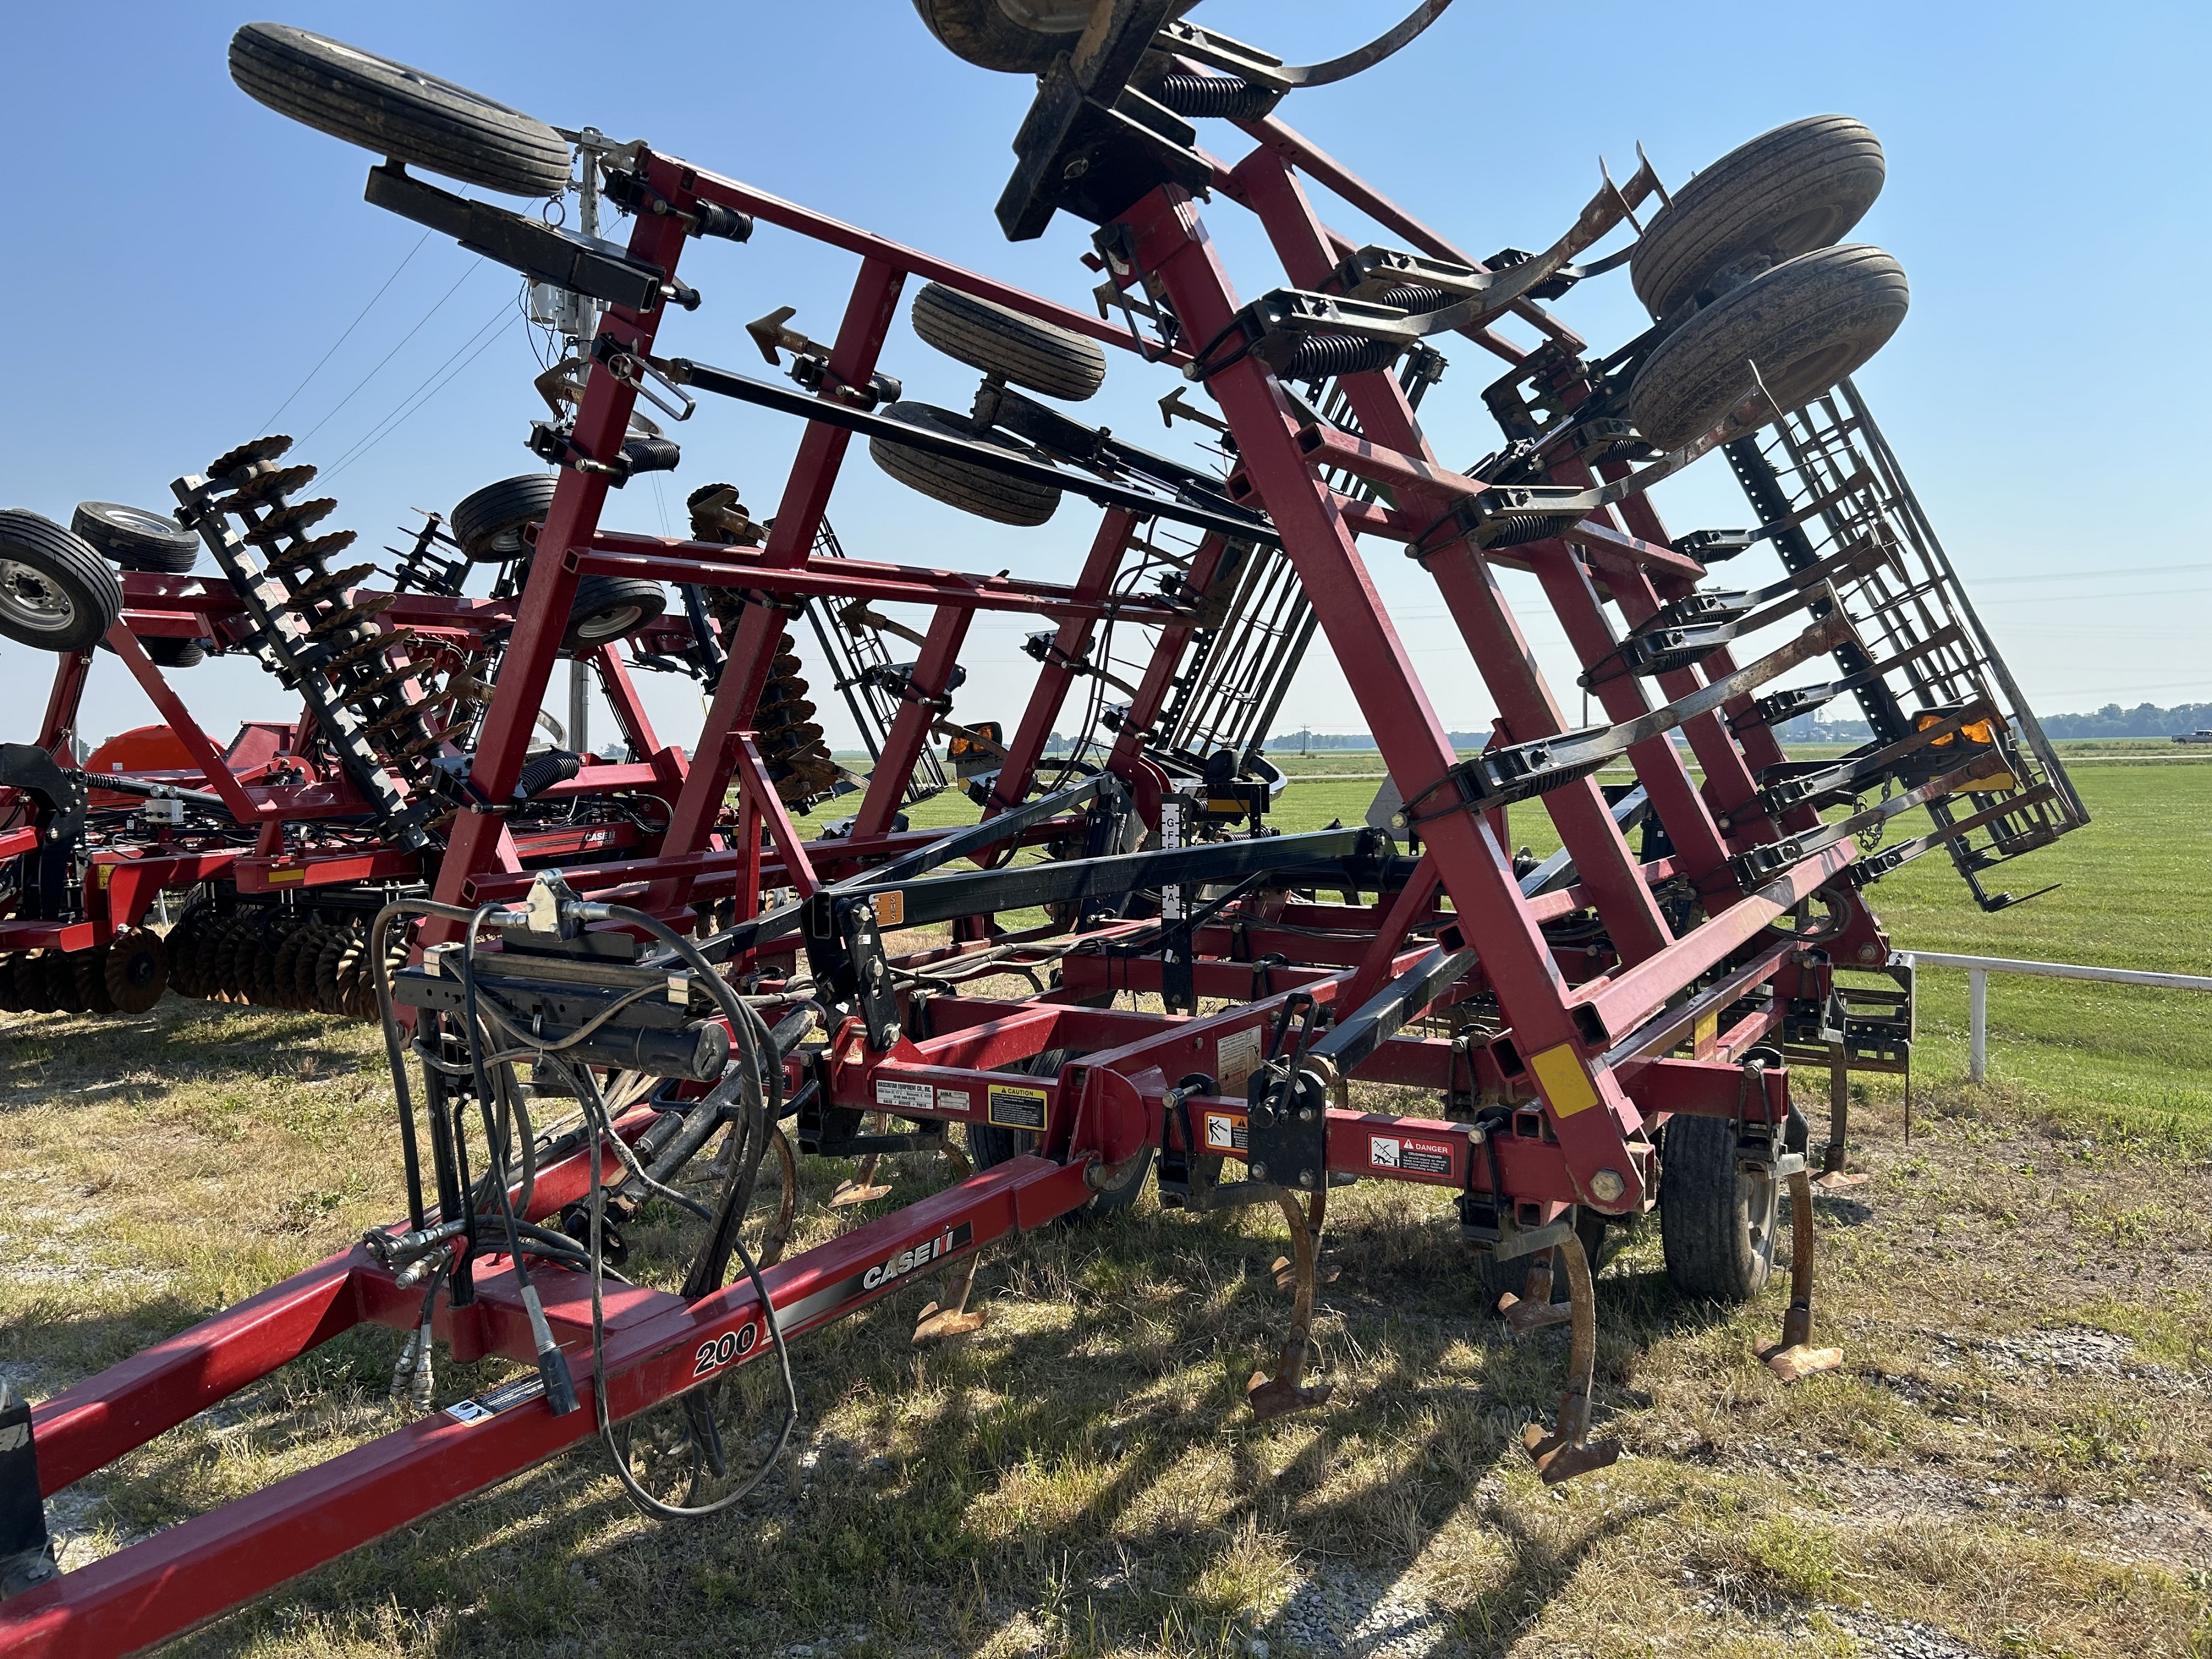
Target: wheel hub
[27,597]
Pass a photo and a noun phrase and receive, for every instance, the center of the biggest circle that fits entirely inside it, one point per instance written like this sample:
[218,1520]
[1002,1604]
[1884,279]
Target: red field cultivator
[648,950]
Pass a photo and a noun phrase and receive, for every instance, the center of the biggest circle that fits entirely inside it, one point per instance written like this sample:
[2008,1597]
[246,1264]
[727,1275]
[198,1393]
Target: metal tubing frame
[1596,1054]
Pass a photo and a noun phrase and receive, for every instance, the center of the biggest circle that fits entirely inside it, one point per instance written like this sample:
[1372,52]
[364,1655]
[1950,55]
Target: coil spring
[1320,354]
[1415,297]
[1520,529]
[1187,94]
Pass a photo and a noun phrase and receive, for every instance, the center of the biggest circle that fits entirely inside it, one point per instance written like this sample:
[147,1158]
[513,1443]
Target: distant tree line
[2144,720]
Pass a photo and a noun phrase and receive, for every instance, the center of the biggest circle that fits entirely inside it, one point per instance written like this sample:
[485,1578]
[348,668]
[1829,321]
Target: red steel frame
[1588,1061]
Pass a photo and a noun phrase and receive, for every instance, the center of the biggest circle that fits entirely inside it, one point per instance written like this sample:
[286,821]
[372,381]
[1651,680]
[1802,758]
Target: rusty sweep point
[956,1321]
[1558,1458]
[849,1193]
[1281,1395]
[1286,1273]
[1793,1361]
[1524,1316]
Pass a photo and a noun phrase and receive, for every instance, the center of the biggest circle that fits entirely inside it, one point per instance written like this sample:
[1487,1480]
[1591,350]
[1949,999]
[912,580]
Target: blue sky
[183,257]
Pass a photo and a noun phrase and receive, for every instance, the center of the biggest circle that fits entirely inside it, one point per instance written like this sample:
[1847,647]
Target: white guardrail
[1979,970]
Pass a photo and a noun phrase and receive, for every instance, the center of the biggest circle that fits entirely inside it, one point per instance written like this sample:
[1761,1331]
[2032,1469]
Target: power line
[348,335]
[2198,568]
[395,351]
[2132,593]
[411,403]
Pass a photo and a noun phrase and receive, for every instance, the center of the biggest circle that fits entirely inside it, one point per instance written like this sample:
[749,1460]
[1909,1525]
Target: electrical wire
[415,400]
[395,351]
[348,335]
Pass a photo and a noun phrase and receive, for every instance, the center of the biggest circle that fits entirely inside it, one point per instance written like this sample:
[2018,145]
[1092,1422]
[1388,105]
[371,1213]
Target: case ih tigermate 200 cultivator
[692,989]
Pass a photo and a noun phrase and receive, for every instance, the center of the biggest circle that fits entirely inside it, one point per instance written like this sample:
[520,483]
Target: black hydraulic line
[788,400]
[552,1364]
[1070,880]
[1360,1033]
[784,919]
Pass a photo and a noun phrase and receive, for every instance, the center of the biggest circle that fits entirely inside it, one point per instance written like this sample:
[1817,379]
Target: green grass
[2132,893]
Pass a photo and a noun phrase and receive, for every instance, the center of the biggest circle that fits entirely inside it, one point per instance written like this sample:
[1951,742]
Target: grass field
[2133,891]
[2015,1462]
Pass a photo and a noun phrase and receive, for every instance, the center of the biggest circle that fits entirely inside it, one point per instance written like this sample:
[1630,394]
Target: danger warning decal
[880,1276]
[1016,1108]
[1403,1153]
[1225,1133]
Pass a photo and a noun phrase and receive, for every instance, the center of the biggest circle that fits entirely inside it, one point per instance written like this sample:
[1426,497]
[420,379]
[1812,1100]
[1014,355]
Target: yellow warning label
[1704,1031]
[890,908]
[1016,1108]
[1567,1087]
[297,872]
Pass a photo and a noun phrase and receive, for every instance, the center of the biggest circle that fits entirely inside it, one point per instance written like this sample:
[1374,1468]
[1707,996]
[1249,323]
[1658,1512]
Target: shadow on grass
[1085,1463]
[1090,1474]
[51,1058]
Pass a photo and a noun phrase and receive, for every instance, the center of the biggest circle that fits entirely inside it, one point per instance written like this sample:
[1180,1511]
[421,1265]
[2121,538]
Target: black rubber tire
[1020,349]
[1716,1225]
[1800,188]
[136,538]
[56,593]
[396,111]
[985,33]
[13,998]
[489,523]
[990,1144]
[174,654]
[611,607]
[972,489]
[1807,324]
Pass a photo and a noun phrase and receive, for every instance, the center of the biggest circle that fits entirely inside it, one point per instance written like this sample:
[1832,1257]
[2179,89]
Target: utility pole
[1305,740]
[574,316]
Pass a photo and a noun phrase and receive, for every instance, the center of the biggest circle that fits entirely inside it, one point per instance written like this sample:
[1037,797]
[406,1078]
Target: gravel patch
[1338,1611]
[1884,1639]
[2175,1534]
[2074,1351]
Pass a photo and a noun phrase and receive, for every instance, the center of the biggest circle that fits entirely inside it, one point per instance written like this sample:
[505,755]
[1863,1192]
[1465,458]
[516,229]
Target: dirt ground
[2016,1459]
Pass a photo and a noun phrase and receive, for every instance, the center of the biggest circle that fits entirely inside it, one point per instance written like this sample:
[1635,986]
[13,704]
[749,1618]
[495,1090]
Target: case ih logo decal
[884,1273]
[920,1255]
